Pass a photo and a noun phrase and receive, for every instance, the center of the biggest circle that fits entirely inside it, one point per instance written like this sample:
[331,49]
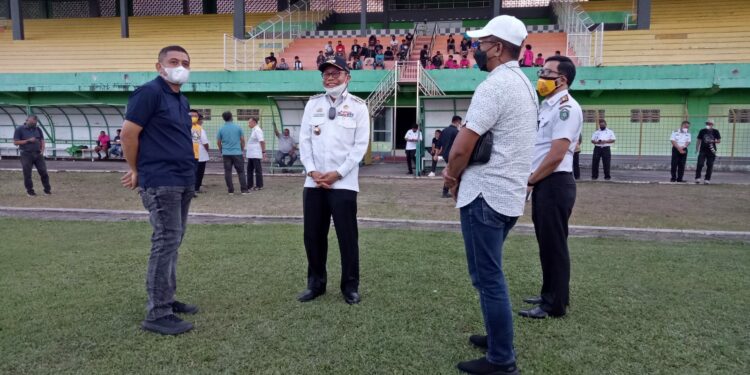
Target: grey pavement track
[394,170]
[647,234]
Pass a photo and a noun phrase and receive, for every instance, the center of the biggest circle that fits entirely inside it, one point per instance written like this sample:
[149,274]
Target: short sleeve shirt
[24,132]
[707,137]
[505,104]
[165,150]
[680,138]
[560,117]
[253,149]
[230,136]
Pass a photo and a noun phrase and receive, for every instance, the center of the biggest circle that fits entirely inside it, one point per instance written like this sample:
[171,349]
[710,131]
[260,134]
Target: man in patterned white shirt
[491,196]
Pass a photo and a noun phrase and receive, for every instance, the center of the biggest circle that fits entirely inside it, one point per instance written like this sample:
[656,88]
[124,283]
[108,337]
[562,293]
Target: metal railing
[585,39]
[272,35]
[385,89]
[426,84]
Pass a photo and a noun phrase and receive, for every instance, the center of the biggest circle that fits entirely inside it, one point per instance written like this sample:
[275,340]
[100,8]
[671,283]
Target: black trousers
[238,162]
[31,159]
[551,205]
[318,206]
[253,166]
[576,165]
[678,164]
[199,172]
[605,154]
[411,157]
[706,158]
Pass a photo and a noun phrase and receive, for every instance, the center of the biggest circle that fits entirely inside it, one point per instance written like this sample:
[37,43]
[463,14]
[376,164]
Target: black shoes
[536,300]
[184,308]
[483,366]
[352,298]
[31,193]
[309,295]
[167,325]
[480,341]
[535,313]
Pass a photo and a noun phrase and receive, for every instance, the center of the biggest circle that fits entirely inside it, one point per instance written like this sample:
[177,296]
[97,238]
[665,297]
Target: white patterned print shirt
[505,104]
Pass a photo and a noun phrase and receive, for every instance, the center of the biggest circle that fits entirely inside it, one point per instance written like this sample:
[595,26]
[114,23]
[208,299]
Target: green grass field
[73,297]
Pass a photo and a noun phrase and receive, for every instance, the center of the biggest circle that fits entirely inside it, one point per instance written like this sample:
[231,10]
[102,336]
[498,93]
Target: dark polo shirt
[24,132]
[165,152]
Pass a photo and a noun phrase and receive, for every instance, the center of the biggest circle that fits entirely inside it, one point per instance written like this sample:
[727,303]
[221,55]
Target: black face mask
[602,127]
[481,59]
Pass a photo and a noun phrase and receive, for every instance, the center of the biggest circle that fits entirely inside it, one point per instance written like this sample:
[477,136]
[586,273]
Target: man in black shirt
[30,140]
[446,142]
[424,56]
[708,138]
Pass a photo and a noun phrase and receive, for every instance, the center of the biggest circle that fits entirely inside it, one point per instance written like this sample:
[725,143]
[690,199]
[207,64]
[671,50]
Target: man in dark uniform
[30,140]
[446,142]
[553,184]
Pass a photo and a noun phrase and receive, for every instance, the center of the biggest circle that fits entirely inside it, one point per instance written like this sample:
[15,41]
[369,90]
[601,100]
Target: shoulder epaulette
[357,99]
[317,96]
[564,99]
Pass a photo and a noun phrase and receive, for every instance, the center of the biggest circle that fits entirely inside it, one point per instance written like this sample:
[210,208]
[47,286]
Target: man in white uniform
[334,135]
[553,184]
[602,140]
[412,137]
[680,141]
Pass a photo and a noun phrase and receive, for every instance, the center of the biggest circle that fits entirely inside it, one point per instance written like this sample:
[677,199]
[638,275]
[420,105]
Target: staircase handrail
[578,26]
[382,92]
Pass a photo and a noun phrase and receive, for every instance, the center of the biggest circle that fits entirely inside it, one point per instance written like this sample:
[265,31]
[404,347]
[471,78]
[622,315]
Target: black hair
[685,122]
[566,67]
[254,118]
[227,116]
[456,118]
[35,117]
[415,125]
[528,46]
[601,120]
[167,49]
[438,131]
[557,52]
[200,115]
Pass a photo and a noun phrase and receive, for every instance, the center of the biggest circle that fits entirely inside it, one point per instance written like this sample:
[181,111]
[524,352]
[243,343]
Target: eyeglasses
[333,75]
[331,113]
[546,72]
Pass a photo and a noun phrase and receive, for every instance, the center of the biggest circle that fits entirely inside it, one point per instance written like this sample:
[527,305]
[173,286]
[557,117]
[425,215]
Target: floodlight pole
[496,5]
[124,25]
[239,19]
[363,18]
[17,16]
[643,13]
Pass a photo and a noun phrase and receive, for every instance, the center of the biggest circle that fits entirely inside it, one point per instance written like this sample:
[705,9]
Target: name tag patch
[346,114]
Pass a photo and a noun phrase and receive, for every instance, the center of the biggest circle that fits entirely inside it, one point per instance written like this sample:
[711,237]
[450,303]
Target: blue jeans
[168,210]
[484,232]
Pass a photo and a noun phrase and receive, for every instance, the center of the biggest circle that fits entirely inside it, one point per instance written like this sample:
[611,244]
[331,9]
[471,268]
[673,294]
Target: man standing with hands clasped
[492,195]
[158,147]
[334,135]
[602,140]
[680,141]
[553,184]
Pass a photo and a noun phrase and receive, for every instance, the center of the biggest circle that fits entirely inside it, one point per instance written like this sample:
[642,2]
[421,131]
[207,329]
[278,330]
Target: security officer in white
[680,141]
[553,185]
[602,140]
[334,135]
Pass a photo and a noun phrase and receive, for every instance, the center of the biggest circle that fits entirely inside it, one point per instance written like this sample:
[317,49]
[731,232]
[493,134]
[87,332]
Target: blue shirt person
[231,143]
[158,147]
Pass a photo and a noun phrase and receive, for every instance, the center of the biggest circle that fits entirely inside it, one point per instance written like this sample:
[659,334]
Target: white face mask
[684,130]
[177,75]
[336,91]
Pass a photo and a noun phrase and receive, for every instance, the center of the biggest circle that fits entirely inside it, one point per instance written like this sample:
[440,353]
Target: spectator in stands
[282,65]
[435,152]
[437,60]
[272,59]
[328,49]
[379,61]
[465,63]
[451,64]
[388,55]
[409,37]
[321,58]
[412,137]
[340,49]
[424,55]
[117,145]
[372,41]
[602,140]
[231,143]
[30,141]
[369,55]
[200,148]
[286,149]
[447,137]
[539,62]
[268,65]
[256,152]
[357,64]
[403,49]
[465,44]
[297,63]
[528,57]
[429,65]
[356,51]
[159,151]
[451,44]
[708,138]
[102,144]
[557,53]
[680,141]
[393,42]
[378,46]
[367,52]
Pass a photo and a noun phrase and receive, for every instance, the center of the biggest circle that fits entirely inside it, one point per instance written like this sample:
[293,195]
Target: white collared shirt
[560,117]
[252,146]
[412,138]
[603,135]
[506,104]
[682,139]
[334,145]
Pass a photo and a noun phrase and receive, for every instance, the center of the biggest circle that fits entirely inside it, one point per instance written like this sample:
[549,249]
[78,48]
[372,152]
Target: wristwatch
[309,174]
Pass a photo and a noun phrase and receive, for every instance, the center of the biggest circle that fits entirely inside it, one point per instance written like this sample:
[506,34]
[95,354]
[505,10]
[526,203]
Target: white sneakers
[432,174]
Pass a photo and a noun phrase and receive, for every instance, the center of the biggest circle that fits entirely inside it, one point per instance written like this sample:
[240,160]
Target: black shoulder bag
[482,149]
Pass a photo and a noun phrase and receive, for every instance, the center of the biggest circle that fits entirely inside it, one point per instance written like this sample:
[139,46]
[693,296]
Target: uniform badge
[346,106]
[320,109]
[564,114]
[316,129]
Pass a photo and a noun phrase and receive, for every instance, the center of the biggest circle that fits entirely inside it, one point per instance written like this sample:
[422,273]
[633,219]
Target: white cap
[507,28]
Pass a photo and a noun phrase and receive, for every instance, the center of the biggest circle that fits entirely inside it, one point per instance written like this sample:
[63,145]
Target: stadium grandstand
[645,65]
